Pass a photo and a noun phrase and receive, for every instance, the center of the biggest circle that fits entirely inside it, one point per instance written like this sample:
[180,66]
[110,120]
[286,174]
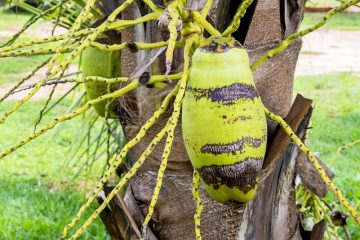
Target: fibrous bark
[273,208]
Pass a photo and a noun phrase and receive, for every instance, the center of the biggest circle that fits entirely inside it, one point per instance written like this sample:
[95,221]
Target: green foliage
[336,122]
[341,21]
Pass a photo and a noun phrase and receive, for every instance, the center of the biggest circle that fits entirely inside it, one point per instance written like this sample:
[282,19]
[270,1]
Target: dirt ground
[329,51]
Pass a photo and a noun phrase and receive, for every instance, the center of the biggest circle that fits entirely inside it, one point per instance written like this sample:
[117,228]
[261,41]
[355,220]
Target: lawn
[12,68]
[341,21]
[11,20]
[322,3]
[335,122]
[29,209]
[38,196]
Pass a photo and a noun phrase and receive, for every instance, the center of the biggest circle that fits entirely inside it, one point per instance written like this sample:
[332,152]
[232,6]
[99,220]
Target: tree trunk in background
[272,214]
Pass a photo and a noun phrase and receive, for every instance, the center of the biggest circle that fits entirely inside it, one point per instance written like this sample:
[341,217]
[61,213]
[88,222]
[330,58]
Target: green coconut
[96,62]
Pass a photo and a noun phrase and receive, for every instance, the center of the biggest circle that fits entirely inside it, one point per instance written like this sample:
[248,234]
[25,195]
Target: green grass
[13,69]
[335,122]
[341,21]
[322,3]
[11,20]
[38,194]
[31,210]
[37,199]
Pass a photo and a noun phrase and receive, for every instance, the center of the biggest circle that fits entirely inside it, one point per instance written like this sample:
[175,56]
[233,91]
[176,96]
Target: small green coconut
[96,62]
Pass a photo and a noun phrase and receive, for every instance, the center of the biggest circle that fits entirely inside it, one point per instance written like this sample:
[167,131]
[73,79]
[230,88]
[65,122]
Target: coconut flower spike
[69,116]
[171,130]
[76,26]
[172,122]
[199,206]
[287,129]
[120,158]
[87,42]
[12,47]
[131,86]
[172,27]
[117,188]
[18,84]
[235,23]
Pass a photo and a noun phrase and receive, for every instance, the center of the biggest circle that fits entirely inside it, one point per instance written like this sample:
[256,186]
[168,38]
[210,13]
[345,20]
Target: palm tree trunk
[272,214]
